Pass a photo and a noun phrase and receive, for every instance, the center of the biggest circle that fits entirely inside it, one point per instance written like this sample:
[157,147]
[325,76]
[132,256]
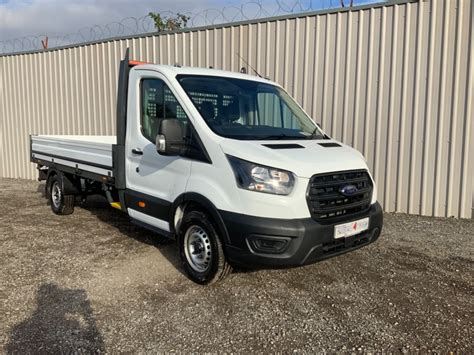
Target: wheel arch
[68,185]
[190,199]
[51,172]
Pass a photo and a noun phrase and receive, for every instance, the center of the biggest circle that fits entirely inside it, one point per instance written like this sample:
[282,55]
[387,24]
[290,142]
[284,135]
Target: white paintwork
[216,181]
[170,71]
[109,140]
[302,162]
[152,174]
[168,177]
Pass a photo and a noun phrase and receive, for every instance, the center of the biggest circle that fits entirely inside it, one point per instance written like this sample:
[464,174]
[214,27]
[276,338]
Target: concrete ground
[93,282]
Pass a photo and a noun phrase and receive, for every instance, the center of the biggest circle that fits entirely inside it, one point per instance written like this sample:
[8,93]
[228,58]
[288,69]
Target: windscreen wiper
[315,132]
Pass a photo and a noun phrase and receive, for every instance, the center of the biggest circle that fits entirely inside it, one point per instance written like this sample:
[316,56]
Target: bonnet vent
[329,145]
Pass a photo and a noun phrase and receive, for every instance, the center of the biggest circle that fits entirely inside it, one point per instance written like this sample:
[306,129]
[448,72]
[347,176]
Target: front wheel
[201,249]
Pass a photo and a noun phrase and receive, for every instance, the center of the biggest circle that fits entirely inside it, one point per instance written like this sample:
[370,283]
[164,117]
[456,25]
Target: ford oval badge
[348,190]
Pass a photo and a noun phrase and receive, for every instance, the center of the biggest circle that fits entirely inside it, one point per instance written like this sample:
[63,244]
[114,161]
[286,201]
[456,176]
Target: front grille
[327,202]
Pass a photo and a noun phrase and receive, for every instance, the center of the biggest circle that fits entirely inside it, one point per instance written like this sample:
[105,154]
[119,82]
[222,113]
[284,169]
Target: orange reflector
[136,62]
[141,204]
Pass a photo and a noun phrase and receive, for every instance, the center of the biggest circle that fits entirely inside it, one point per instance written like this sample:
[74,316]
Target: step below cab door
[153,180]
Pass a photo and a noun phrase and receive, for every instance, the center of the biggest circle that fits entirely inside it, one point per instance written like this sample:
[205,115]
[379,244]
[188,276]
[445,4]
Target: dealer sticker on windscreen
[351,228]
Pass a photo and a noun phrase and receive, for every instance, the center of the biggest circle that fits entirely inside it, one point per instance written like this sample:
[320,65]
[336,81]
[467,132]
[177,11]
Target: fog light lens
[268,245]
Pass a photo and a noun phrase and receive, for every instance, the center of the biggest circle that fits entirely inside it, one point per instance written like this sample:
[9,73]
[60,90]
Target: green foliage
[164,23]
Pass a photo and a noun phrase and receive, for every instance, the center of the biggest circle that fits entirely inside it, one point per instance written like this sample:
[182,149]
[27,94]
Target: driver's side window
[158,103]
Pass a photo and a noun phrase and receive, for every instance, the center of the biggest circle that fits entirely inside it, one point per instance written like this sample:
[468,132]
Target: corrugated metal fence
[395,81]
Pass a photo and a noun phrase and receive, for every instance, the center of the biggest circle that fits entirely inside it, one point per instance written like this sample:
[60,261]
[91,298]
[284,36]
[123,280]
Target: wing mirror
[170,140]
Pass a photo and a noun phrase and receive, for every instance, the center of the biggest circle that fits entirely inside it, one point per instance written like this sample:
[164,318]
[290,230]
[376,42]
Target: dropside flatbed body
[89,156]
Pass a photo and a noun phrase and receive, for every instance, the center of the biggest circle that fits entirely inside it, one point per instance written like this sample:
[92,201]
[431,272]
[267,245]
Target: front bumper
[292,242]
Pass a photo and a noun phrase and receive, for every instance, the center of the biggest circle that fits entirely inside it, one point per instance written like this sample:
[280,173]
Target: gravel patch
[94,282]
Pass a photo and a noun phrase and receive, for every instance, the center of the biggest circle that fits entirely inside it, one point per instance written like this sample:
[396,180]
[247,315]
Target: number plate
[351,228]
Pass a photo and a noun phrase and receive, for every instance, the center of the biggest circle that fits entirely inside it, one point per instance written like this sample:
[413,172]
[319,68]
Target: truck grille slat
[329,183]
[332,206]
[320,196]
[326,201]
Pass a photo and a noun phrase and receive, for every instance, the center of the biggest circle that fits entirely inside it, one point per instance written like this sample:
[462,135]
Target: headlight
[261,178]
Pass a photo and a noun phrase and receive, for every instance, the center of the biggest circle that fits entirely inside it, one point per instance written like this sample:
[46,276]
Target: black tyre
[201,250]
[60,203]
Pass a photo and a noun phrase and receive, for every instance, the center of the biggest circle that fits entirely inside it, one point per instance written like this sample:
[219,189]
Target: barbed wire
[129,26]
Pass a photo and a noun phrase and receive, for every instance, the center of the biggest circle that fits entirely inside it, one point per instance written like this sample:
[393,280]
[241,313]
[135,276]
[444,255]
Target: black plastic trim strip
[202,154]
[207,205]
[154,206]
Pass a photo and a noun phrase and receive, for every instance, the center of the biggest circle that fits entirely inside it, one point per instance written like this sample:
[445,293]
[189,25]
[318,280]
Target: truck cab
[226,163]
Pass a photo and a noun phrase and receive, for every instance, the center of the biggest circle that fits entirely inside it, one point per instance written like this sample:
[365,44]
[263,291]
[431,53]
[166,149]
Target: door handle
[137,151]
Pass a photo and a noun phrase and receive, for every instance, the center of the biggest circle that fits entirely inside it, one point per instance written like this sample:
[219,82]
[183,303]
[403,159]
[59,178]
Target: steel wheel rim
[56,194]
[197,248]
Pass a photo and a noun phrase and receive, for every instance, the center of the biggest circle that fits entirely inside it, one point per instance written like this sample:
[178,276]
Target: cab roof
[172,71]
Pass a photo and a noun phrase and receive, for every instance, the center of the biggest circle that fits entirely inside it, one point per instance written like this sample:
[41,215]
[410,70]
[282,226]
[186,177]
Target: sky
[54,17]
[19,18]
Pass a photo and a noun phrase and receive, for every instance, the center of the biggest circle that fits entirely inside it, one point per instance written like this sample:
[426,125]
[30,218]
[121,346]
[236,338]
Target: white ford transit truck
[226,163]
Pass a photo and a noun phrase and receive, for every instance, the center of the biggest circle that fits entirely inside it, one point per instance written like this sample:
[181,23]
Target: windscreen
[248,110]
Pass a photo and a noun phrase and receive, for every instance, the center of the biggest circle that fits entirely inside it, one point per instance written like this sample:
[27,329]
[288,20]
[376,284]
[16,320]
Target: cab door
[153,181]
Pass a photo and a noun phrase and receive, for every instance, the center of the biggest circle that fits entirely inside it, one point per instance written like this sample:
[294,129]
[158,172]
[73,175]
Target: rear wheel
[61,203]
[201,249]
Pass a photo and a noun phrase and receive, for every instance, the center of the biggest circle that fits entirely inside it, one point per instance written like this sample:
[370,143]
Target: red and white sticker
[351,228]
